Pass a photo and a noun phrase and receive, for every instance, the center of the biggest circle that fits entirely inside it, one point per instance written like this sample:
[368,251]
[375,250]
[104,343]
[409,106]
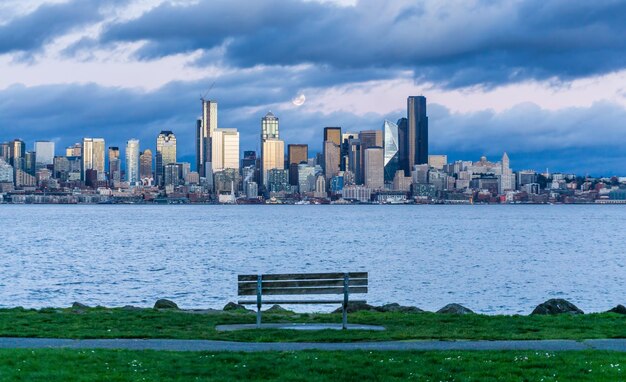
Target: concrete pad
[296,326]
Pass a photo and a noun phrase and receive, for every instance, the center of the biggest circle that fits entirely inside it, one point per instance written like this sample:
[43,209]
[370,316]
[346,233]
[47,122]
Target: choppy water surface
[493,259]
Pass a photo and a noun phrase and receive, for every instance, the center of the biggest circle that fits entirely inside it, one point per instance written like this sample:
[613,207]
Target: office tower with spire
[132,162]
[165,154]
[272,148]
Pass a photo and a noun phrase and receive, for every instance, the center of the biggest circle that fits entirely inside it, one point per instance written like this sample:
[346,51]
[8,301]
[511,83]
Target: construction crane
[203,97]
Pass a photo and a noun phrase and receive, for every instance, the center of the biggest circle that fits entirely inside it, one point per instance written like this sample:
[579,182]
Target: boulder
[165,304]
[394,307]
[620,309]
[130,307]
[278,309]
[78,305]
[233,307]
[455,309]
[557,306]
[357,307]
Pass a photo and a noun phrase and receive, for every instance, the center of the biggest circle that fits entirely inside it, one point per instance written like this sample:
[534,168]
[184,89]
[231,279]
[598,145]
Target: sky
[543,81]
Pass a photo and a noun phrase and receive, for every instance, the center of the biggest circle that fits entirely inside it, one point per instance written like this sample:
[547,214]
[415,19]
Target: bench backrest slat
[303,284]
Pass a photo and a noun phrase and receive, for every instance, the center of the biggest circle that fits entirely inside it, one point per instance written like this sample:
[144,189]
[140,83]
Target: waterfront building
[225,149]
[132,162]
[93,153]
[391,150]
[60,168]
[296,154]
[192,178]
[526,177]
[24,179]
[420,173]
[358,193]
[374,168]
[273,157]
[115,165]
[252,190]
[437,161]
[401,182]
[165,153]
[226,181]
[145,167]
[44,154]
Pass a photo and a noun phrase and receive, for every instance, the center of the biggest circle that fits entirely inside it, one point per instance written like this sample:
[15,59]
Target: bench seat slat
[303,276]
[302,284]
[290,291]
[299,302]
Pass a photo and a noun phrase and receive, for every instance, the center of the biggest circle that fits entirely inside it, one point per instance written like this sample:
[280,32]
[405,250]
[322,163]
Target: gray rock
[165,304]
[620,309]
[233,307]
[358,307]
[455,309]
[394,307]
[78,305]
[557,306]
[278,309]
[130,307]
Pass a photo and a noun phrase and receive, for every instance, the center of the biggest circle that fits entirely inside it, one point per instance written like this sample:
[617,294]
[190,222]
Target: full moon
[298,100]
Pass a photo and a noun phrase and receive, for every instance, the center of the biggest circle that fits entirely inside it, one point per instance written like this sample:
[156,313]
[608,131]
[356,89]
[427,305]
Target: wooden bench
[302,284]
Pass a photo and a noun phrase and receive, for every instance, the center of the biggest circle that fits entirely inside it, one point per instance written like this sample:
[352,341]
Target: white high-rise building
[374,168]
[225,149]
[44,153]
[132,162]
[93,155]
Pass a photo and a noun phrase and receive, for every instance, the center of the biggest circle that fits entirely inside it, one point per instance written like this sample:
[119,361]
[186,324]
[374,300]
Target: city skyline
[108,70]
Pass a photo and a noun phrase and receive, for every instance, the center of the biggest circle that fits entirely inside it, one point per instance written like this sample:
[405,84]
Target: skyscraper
[274,157]
[17,154]
[132,162]
[225,149]
[391,150]
[417,130]
[115,165]
[374,164]
[368,138]
[296,154]
[165,153]
[145,165]
[332,151]
[93,153]
[403,146]
[45,153]
[204,132]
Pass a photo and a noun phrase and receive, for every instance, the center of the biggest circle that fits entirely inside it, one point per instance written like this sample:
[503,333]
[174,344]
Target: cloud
[28,33]
[451,44]
[584,139]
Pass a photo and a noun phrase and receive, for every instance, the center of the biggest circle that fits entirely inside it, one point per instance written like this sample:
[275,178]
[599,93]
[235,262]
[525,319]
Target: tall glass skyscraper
[93,157]
[204,132]
[165,153]
[417,131]
[391,150]
[132,161]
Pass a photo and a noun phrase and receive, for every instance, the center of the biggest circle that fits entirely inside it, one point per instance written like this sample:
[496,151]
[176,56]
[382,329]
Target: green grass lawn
[118,365]
[149,323]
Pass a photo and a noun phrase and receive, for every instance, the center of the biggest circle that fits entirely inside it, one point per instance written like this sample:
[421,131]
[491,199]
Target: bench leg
[344,321]
[258,317]
[346,284]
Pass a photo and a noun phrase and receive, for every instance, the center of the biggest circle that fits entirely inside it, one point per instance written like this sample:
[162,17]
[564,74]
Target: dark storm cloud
[28,33]
[456,44]
[584,139]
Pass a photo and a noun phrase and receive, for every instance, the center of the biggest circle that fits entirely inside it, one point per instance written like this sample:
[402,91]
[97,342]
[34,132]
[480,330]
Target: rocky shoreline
[549,307]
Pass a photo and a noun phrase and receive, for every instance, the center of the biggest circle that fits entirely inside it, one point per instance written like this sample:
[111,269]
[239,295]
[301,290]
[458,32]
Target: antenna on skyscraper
[203,97]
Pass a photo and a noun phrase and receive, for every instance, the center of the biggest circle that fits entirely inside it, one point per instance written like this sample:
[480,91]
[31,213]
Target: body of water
[492,259]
